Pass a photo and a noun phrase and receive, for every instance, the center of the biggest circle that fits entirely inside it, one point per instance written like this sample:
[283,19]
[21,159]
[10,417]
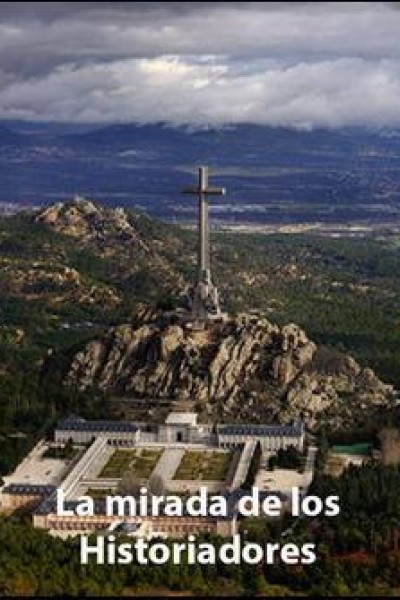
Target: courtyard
[140,461]
[206,465]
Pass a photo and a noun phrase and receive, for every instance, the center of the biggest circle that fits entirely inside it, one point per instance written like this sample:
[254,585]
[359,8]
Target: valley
[274,175]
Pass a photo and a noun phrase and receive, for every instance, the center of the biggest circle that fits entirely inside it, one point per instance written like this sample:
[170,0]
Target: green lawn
[204,465]
[140,461]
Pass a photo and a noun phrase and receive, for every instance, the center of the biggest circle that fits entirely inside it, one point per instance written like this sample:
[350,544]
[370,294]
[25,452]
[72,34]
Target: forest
[344,292]
[357,552]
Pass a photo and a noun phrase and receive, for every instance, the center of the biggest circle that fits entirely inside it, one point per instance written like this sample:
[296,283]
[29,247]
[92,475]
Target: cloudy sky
[298,64]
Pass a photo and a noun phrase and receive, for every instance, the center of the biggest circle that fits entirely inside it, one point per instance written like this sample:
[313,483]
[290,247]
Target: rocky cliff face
[244,369]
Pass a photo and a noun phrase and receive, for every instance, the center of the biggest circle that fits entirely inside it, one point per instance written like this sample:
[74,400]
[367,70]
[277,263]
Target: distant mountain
[8,137]
[234,142]
[272,175]
[121,135]
[48,127]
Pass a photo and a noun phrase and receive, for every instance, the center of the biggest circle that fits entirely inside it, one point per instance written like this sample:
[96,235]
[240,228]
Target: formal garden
[140,461]
[204,465]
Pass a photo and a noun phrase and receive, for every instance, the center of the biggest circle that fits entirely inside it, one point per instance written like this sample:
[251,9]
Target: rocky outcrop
[114,234]
[89,222]
[246,368]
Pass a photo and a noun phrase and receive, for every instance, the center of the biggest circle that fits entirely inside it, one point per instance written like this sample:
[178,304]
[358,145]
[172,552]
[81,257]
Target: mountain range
[272,175]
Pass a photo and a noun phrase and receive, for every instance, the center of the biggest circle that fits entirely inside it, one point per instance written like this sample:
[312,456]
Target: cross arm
[211,191]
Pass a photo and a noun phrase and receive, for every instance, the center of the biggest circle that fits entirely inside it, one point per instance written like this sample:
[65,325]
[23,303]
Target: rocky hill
[76,262]
[244,369]
[111,233]
[82,219]
[77,271]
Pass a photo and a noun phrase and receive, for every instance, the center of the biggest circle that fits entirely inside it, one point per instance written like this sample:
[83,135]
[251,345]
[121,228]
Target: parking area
[283,480]
[36,470]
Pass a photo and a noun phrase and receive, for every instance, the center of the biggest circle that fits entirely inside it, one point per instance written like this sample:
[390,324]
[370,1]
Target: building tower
[205,301]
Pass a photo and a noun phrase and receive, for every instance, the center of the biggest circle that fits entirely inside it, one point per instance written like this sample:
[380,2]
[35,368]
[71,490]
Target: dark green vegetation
[65,452]
[357,552]
[344,292]
[57,291]
[290,458]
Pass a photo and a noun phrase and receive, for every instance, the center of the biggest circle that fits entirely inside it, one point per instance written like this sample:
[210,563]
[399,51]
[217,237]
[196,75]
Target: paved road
[309,467]
[311,454]
[244,464]
[168,463]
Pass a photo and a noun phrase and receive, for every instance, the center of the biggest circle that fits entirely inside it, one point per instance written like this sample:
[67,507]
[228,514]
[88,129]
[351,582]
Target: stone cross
[205,301]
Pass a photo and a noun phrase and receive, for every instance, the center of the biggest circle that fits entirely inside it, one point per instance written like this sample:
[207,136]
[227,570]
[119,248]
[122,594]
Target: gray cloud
[296,64]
